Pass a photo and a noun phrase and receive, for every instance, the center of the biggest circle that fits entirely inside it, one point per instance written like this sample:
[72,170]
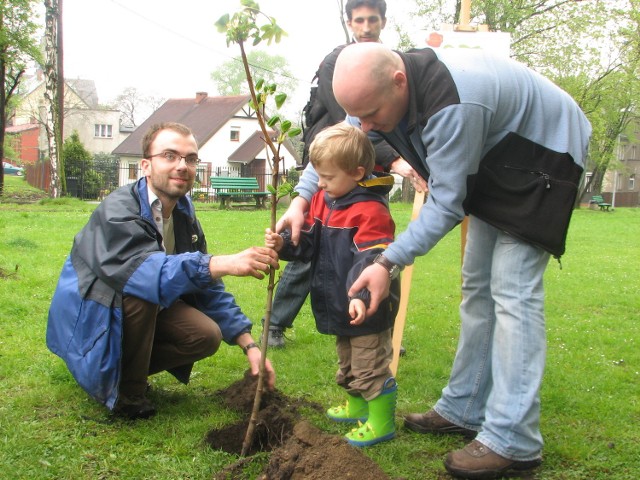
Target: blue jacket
[119,252]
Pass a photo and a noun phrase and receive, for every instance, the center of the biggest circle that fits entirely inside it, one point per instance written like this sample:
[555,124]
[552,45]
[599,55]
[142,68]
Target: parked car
[12,169]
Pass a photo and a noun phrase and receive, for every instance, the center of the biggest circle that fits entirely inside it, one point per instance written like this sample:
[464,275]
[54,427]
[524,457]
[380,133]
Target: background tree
[79,168]
[587,47]
[107,165]
[135,107]
[53,93]
[230,77]
[18,46]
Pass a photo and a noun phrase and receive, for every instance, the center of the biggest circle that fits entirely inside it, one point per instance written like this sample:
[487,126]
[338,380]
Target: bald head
[370,83]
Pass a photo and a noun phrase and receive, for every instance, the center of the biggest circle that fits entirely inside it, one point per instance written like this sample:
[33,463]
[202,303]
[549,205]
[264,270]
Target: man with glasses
[139,294]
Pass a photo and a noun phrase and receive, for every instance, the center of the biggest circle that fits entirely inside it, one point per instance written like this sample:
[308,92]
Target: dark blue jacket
[341,238]
[119,252]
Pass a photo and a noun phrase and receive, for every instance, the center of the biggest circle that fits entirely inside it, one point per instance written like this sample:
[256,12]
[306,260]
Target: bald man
[505,146]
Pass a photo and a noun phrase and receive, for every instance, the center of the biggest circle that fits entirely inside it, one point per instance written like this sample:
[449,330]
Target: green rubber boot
[354,410]
[381,424]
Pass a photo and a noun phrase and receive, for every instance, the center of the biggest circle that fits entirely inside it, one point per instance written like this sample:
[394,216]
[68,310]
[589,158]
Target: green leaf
[285,126]
[250,4]
[259,84]
[280,99]
[271,190]
[222,23]
[284,190]
[273,120]
[294,132]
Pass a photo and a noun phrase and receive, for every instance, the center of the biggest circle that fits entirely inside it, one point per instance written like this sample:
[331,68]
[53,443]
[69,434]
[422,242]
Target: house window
[632,181]
[235,134]
[133,171]
[587,179]
[103,131]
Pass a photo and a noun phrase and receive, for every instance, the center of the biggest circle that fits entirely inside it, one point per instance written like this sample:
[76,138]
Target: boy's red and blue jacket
[341,238]
[118,253]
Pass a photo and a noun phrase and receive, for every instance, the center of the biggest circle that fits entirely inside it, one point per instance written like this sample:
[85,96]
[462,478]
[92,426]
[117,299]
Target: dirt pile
[298,449]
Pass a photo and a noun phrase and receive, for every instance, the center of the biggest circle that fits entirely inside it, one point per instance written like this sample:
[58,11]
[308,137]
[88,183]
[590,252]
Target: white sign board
[498,42]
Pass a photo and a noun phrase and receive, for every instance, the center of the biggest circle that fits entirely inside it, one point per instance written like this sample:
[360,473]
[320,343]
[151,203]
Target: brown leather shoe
[479,462]
[432,422]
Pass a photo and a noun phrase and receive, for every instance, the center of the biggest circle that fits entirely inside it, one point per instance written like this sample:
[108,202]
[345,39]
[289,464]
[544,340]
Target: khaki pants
[363,363]
[155,340]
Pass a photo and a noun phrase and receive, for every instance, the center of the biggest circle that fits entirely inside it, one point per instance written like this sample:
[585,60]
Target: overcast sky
[169,49]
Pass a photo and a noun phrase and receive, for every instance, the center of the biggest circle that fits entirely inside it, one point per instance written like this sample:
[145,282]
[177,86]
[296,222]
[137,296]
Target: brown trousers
[363,363]
[154,340]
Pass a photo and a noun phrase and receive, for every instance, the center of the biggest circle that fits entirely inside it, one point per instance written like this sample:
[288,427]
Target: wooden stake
[405,288]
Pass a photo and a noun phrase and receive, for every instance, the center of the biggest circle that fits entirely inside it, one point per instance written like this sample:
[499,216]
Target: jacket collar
[375,187]
[431,86]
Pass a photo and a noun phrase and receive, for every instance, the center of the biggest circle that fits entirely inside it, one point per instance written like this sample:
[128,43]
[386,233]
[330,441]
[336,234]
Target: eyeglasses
[172,157]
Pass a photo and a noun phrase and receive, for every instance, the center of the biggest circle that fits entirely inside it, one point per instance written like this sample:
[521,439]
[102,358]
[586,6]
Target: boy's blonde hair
[345,146]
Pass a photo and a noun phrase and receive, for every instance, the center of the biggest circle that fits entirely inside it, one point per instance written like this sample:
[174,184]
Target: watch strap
[246,348]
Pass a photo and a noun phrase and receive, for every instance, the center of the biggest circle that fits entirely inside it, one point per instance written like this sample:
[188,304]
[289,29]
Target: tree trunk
[52,97]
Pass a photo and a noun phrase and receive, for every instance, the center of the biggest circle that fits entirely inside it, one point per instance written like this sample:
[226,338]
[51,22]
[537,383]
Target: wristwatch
[246,348]
[392,268]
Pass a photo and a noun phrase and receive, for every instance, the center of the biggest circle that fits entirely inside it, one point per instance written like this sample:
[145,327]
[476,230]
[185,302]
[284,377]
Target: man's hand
[252,262]
[356,311]
[254,355]
[293,218]
[402,167]
[376,279]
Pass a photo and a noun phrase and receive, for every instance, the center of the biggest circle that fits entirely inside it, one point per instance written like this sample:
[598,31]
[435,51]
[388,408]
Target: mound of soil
[298,449]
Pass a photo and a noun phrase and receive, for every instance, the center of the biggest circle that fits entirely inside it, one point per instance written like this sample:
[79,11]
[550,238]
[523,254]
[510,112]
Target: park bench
[598,200]
[227,189]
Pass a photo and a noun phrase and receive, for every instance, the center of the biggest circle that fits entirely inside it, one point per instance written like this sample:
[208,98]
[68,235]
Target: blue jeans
[292,291]
[497,372]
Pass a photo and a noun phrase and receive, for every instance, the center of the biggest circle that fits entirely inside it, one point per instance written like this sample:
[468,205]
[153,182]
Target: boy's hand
[273,240]
[357,311]
[293,218]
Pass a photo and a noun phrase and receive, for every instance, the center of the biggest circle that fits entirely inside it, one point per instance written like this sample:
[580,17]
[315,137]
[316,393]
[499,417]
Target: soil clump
[298,450]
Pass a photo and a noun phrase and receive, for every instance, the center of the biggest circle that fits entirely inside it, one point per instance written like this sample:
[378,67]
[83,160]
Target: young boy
[347,226]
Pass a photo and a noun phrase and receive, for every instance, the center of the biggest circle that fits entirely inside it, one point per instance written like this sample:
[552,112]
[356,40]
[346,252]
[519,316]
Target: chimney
[200,96]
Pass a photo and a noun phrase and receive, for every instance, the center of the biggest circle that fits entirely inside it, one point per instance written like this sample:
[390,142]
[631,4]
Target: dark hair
[152,133]
[381,5]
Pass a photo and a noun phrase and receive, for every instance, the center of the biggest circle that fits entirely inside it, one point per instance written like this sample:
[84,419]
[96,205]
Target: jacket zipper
[326,220]
[544,175]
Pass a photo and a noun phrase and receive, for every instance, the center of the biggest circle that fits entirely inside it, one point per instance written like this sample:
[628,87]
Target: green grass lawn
[590,397]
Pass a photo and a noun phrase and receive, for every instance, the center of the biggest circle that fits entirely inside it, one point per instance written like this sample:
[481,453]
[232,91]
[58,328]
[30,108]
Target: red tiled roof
[204,118]
[21,128]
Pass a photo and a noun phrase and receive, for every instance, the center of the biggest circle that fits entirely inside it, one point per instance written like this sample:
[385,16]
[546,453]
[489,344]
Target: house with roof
[24,140]
[230,142]
[98,127]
